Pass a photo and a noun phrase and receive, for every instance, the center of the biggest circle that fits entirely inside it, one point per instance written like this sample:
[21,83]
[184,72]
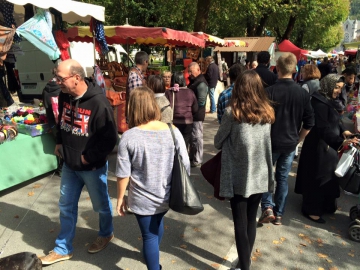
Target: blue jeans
[72,182]
[283,167]
[212,100]
[152,230]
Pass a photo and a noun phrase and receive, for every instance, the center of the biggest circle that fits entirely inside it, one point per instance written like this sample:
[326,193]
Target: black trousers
[185,130]
[244,211]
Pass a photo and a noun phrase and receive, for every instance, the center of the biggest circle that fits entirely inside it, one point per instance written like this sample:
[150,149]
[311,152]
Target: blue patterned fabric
[223,101]
[36,30]
[100,36]
[7,9]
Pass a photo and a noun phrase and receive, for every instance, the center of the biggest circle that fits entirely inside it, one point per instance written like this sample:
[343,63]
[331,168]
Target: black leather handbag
[184,198]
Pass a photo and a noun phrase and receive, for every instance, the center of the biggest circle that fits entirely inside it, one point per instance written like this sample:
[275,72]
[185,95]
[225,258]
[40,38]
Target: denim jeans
[152,230]
[283,167]
[72,182]
[212,100]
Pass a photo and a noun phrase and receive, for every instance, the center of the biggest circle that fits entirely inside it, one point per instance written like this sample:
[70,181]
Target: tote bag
[184,198]
[345,162]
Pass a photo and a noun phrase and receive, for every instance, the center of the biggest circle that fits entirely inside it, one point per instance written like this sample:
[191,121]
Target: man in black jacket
[293,112]
[86,133]
[268,78]
[212,76]
[199,85]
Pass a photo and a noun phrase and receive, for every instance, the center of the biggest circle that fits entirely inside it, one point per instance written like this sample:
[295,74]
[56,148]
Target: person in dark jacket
[268,78]
[184,102]
[199,85]
[212,76]
[325,67]
[86,133]
[316,180]
[294,118]
[349,85]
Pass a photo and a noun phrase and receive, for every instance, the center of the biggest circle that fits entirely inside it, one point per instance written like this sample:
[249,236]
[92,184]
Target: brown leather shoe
[100,243]
[54,257]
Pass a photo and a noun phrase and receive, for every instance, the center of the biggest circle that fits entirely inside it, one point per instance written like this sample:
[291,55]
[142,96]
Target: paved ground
[29,221]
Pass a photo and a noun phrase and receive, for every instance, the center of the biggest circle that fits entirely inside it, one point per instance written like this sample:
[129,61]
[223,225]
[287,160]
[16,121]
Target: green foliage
[355,9]
[316,21]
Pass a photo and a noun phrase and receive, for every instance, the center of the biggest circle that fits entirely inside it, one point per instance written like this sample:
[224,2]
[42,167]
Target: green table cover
[25,158]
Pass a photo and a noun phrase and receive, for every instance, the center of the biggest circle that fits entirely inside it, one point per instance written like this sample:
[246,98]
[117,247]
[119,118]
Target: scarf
[327,85]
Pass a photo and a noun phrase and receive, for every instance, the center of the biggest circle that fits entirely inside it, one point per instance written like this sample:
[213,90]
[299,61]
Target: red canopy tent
[138,34]
[350,52]
[288,46]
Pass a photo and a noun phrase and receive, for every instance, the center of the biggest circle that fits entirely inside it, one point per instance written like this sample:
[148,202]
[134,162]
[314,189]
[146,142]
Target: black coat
[268,77]
[319,156]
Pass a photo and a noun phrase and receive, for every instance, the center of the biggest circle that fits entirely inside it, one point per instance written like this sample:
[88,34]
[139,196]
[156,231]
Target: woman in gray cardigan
[246,163]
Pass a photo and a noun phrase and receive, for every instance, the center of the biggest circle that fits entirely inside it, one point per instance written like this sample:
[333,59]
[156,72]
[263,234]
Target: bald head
[72,67]
[70,76]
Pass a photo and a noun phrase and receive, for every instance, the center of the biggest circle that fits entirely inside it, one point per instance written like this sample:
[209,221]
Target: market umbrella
[138,35]
[210,40]
[288,46]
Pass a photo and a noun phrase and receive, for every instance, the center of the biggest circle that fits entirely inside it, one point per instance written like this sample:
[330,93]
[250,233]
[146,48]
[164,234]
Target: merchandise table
[25,158]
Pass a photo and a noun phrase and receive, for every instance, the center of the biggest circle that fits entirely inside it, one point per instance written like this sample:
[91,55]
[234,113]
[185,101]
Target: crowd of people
[263,117]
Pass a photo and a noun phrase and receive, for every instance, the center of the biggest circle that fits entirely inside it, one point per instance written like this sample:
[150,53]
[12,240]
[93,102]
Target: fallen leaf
[166,227]
[192,268]
[351,254]
[301,244]
[320,255]
[320,245]
[343,243]
[275,242]
[182,236]
[196,229]
[16,216]
[139,238]
[300,251]
[254,258]
[282,239]
[209,197]
[257,250]
[328,260]
[183,246]
[306,238]
[37,186]
[320,268]
[307,226]
[51,230]
[31,193]
[86,218]
[319,240]
[333,268]
[215,265]
[173,261]
[88,198]
[267,227]
[225,258]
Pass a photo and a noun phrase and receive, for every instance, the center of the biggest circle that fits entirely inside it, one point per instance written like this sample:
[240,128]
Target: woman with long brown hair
[145,161]
[246,163]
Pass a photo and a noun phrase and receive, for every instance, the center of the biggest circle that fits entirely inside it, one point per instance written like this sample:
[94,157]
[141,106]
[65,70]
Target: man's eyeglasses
[62,79]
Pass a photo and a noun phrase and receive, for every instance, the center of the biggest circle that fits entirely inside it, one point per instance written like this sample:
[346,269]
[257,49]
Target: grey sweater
[167,113]
[246,161]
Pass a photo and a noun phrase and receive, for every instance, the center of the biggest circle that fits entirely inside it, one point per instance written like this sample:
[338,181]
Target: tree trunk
[300,37]
[202,15]
[250,28]
[289,28]
[260,28]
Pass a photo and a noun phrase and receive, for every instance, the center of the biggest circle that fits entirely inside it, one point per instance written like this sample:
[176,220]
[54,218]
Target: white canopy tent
[317,54]
[72,11]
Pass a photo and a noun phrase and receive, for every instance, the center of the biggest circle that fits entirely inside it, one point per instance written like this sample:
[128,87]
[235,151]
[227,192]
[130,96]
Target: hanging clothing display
[63,44]
[99,78]
[36,30]
[7,9]
[4,91]
[6,40]
[98,27]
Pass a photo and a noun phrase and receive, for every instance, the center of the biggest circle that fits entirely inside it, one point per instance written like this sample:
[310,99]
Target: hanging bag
[351,181]
[345,162]
[184,198]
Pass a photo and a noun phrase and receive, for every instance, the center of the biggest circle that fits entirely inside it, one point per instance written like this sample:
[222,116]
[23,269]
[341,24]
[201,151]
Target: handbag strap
[172,134]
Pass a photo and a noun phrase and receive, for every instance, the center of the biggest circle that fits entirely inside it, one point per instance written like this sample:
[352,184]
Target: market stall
[288,46]
[31,152]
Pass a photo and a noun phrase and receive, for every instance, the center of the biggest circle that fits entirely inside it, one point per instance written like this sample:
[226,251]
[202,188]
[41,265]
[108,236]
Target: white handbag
[345,162]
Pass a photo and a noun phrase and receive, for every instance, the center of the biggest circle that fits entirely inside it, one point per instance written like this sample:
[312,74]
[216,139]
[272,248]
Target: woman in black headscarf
[316,180]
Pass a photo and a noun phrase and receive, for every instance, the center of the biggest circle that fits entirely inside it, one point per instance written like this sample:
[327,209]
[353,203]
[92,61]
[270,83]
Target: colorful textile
[99,34]
[7,9]
[135,80]
[37,31]
[63,44]
[99,78]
